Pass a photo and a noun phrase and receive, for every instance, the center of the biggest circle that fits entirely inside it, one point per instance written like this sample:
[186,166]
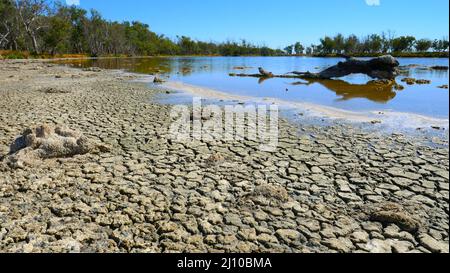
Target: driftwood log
[384,67]
[265,73]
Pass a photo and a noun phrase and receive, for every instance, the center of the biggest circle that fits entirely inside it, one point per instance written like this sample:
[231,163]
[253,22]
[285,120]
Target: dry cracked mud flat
[325,189]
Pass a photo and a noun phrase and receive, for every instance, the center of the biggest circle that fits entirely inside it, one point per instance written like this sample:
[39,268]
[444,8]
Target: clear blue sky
[277,23]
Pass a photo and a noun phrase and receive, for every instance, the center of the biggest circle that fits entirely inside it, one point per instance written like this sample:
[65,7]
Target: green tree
[7,20]
[116,40]
[309,51]
[78,21]
[327,45]
[190,47]
[351,44]
[375,43]
[30,14]
[445,44]
[403,43]
[57,34]
[142,40]
[95,32]
[299,48]
[168,47]
[338,43]
[440,45]
[289,49]
[387,40]
[266,51]
[423,45]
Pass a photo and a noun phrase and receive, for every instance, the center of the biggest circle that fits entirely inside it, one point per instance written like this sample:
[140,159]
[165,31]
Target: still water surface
[348,93]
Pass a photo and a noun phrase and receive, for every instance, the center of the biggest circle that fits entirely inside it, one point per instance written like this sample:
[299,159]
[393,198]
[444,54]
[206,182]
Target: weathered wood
[266,77]
[265,73]
[384,67]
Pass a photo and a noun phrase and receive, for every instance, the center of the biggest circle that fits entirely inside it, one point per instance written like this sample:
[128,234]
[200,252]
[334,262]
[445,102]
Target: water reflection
[138,65]
[380,93]
[352,91]
[262,80]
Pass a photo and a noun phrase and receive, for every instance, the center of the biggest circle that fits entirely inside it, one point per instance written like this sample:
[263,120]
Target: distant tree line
[49,27]
[386,42]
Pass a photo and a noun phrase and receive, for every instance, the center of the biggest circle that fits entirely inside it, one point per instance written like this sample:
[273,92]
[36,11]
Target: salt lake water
[348,93]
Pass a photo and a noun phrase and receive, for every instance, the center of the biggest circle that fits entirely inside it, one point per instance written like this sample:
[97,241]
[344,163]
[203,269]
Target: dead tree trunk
[265,73]
[384,67]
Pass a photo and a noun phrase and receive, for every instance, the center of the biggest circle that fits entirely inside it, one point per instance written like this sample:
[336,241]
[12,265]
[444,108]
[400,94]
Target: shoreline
[407,122]
[392,119]
[438,55]
[318,192]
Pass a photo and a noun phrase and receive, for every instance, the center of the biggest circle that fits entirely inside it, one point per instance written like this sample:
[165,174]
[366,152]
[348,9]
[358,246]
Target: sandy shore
[325,189]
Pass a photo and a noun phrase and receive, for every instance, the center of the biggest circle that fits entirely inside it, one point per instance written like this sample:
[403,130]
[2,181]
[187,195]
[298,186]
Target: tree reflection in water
[376,92]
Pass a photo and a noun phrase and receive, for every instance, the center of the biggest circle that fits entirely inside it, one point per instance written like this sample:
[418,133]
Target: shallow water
[349,93]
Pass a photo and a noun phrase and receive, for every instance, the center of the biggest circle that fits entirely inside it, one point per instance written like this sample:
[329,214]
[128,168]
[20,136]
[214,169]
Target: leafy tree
[30,14]
[299,48]
[167,47]
[116,41]
[266,51]
[289,49]
[403,43]
[423,45]
[95,31]
[57,34]
[387,40]
[338,43]
[190,47]
[351,44]
[142,40]
[440,45]
[6,22]
[375,43]
[309,51]
[78,21]
[327,45]
[445,44]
